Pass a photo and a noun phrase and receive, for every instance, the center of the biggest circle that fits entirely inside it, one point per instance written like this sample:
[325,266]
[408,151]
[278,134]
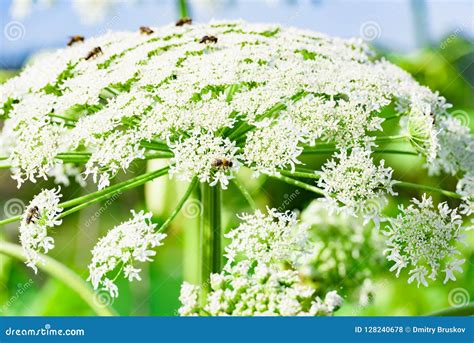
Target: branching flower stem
[179,206]
[245,193]
[298,183]
[467,310]
[63,274]
[288,176]
[330,147]
[411,185]
[81,202]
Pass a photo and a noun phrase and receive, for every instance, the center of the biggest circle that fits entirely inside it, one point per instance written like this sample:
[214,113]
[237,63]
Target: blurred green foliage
[446,67]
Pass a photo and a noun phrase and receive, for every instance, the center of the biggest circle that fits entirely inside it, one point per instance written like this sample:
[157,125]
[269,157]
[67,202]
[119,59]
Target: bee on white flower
[41,214]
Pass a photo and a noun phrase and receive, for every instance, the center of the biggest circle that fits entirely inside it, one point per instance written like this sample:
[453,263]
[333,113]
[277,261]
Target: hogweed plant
[215,99]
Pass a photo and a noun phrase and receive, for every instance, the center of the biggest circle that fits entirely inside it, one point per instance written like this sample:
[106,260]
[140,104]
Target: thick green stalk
[210,235]
[62,273]
[183,8]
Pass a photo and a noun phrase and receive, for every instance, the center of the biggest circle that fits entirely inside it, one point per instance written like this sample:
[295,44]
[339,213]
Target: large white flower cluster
[256,280]
[256,289]
[424,238]
[41,214]
[125,245]
[255,94]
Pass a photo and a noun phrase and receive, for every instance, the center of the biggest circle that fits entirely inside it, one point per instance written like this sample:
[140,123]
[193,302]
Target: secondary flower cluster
[268,238]
[123,246]
[41,214]
[256,97]
[456,155]
[254,280]
[423,238]
[344,253]
[356,182]
[249,289]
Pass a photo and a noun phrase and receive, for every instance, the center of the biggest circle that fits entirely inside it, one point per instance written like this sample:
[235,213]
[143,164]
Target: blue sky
[50,27]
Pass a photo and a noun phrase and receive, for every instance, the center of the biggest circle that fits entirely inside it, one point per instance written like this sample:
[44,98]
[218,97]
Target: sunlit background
[433,40]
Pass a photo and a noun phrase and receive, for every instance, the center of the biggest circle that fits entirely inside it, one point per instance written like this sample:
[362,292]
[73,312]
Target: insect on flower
[94,52]
[208,39]
[32,214]
[184,21]
[75,39]
[222,163]
[146,30]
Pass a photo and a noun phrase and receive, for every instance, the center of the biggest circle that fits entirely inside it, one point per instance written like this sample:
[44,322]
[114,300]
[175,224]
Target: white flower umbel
[125,245]
[257,96]
[41,214]
[256,280]
[199,154]
[272,147]
[344,253]
[423,238]
[273,238]
[456,148]
[419,128]
[355,182]
[256,289]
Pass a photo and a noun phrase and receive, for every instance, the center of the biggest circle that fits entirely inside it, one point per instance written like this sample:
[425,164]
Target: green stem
[392,151]
[158,146]
[82,157]
[180,205]
[61,272]
[61,117]
[210,235]
[298,183]
[314,175]
[109,192]
[183,8]
[245,193]
[467,310]
[330,147]
[106,193]
[411,185]
[392,117]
